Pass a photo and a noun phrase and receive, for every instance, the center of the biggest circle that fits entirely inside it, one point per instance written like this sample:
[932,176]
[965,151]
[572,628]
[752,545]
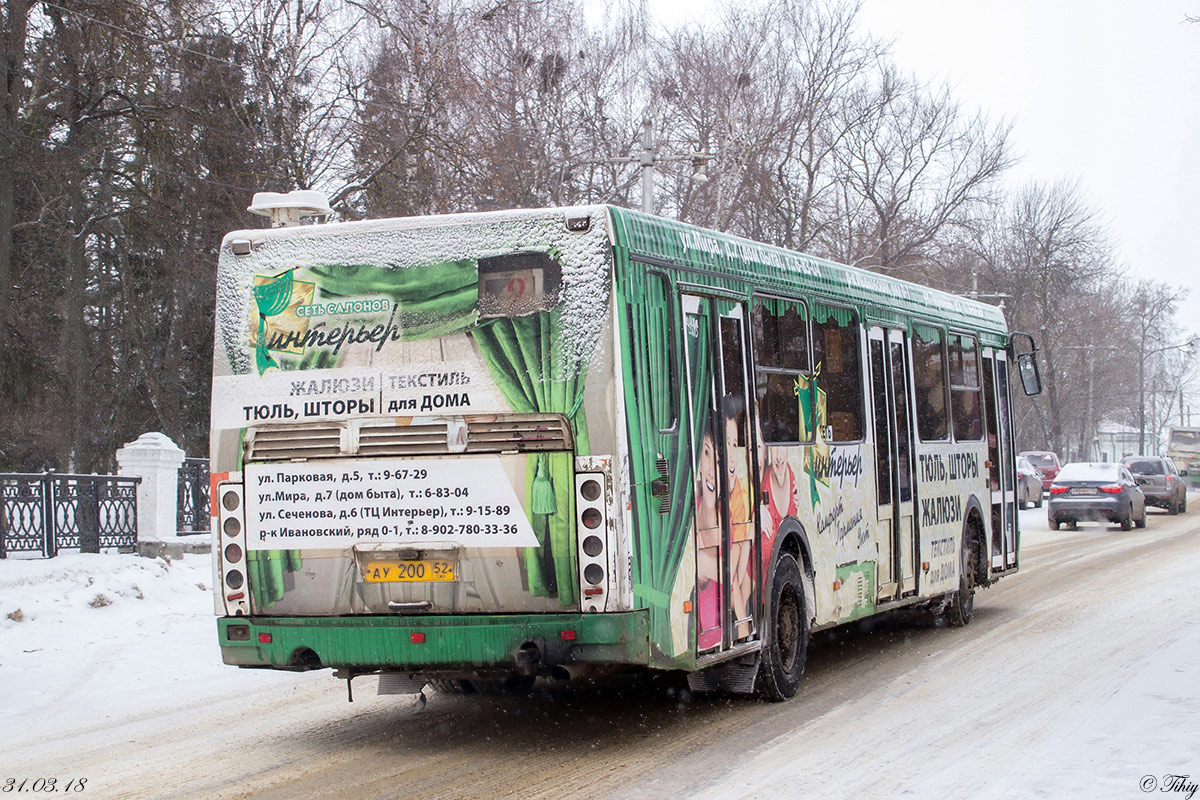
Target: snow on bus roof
[380,242]
[583,252]
[681,243]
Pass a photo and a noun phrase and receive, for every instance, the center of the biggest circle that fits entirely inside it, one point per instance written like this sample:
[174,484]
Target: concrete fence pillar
[156,460]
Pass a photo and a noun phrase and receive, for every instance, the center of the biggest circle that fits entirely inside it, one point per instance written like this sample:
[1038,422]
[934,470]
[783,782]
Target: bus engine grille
[399,437]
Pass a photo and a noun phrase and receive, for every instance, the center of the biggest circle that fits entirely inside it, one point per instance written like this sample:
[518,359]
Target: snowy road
[1079,677]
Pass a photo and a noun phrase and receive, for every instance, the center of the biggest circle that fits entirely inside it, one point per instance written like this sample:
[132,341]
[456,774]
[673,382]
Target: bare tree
[914,168]
[1053,260]
[299,56]
[14,17]
[1152,308]
[768,94]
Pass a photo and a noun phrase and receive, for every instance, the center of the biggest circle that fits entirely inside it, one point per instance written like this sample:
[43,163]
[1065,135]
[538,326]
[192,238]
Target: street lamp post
[649,156]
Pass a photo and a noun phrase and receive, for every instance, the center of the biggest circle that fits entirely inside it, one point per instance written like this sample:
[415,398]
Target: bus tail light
[591,515]
[231,549]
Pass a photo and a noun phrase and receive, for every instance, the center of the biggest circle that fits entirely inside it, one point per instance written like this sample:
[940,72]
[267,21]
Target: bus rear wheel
[786,646]
[962,604]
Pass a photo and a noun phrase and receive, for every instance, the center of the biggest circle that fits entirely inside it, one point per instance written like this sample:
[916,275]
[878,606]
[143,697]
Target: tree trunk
[15,22]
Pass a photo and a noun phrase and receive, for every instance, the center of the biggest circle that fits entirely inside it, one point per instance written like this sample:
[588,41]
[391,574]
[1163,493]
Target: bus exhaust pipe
[572,672]
[528,658]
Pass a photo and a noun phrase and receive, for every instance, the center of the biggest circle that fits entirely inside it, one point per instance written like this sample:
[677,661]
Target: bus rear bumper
[494,641]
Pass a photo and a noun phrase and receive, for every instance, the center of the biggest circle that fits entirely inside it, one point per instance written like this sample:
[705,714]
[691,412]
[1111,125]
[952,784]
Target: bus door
[715,341]
[1002,463]
[891,393]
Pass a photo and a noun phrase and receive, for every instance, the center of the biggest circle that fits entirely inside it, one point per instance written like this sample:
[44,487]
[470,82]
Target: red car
[1047,462]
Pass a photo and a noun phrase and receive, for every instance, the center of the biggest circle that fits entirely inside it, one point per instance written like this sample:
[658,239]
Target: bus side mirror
[1031,380]
[1027,366]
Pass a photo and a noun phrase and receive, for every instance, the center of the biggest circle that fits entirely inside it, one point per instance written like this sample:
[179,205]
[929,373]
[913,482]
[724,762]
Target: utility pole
[648,157]
[1091,401]
[1190,344]
[975,294]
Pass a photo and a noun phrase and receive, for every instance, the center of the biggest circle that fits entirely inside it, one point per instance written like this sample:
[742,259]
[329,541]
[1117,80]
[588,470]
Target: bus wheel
[962,604]
[787,634]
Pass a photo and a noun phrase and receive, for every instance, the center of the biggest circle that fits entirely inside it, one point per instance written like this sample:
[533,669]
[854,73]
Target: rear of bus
[414,448]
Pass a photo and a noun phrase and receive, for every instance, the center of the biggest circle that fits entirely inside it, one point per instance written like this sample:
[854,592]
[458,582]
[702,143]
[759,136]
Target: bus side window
[929,368]
[780,330]
[964,389]
[836,353]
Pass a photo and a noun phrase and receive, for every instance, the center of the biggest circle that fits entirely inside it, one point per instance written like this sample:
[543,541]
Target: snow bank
[90,638]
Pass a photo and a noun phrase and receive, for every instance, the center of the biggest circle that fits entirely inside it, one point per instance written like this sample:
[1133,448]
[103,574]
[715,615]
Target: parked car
[1046,461]
[1100,491]
[1161,481]
[1029,484]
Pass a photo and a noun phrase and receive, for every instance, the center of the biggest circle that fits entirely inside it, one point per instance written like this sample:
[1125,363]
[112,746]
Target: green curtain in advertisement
[662,537]
[523,355]
[431,300]
[266,569]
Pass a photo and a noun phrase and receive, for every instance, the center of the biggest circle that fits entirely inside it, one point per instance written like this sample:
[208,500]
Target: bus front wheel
[787,635]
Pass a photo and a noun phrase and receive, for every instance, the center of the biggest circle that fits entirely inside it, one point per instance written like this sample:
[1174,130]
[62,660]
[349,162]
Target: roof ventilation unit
[286,210]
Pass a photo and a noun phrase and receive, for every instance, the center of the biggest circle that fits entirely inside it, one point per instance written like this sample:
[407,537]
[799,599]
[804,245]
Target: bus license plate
[408,571]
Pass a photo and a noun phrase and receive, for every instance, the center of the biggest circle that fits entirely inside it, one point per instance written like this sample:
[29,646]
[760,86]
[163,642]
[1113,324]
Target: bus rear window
[518,284]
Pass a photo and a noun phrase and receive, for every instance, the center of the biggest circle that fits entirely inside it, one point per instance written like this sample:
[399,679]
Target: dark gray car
[1099,491]
[1161,482]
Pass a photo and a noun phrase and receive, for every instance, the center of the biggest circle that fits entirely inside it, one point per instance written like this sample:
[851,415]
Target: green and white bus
[475,449]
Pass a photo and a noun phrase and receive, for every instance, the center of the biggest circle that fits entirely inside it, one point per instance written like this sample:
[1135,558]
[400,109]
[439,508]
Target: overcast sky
[1105,92]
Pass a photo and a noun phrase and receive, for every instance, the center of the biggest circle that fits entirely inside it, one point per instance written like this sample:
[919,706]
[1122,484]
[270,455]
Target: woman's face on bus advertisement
[708,470]
[779,465]
[731,442]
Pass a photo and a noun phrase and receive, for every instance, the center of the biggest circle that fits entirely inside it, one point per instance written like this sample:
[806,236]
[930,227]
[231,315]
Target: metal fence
[46,512]
[193,511]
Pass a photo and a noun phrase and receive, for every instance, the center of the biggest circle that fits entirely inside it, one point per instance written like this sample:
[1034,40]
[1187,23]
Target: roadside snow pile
[55,591]
[95,632]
